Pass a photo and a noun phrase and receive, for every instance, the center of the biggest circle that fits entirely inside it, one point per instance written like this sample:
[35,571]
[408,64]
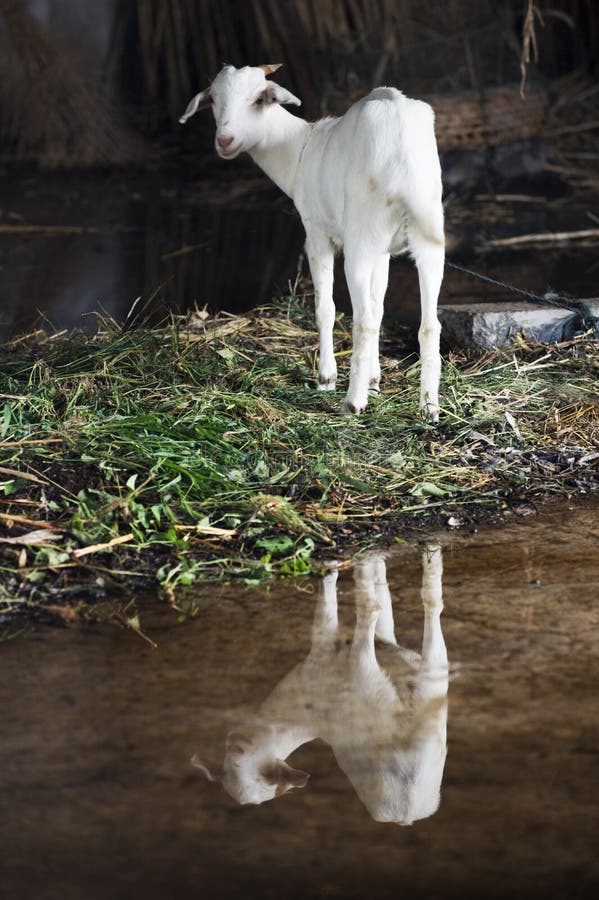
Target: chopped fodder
[202,450]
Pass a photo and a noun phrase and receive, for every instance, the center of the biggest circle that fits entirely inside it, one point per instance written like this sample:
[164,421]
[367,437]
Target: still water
[422,723]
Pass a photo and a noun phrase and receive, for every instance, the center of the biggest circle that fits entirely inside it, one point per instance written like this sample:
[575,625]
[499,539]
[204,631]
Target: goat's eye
[259,101]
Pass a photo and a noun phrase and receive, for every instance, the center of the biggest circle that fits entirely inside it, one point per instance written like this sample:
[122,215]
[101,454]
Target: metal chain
[550,299]
[576,306]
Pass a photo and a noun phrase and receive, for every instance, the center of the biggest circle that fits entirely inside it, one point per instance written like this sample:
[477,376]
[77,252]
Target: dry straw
[201,449]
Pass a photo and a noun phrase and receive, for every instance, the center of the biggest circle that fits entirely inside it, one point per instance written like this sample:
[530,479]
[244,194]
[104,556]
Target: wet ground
[72,246]
[109,744]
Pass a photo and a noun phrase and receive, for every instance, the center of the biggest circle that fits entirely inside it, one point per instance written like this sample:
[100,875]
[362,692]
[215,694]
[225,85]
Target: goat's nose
[224,141]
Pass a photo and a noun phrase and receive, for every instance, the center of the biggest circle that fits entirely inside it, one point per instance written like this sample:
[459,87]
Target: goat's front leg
[325,626]
[321,259]
[359,268]
[368,610]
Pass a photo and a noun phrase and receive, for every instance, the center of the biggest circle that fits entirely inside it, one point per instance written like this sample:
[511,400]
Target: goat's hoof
[372,613]
[351,409]
[327,383]
[429,413]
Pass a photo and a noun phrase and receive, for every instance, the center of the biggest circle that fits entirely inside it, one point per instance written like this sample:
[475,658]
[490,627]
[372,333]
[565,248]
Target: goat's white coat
[387,728]
[369,183]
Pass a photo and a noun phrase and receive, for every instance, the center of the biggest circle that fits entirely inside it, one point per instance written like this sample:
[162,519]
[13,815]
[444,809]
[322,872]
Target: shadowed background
[93,91]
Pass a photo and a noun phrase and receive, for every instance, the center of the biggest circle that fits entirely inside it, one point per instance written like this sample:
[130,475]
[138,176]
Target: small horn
[197,763]
[269,69]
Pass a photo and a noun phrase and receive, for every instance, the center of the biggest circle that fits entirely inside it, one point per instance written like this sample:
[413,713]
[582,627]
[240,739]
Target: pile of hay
[202,450]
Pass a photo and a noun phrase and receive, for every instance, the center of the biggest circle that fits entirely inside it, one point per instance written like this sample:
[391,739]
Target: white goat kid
[368,183]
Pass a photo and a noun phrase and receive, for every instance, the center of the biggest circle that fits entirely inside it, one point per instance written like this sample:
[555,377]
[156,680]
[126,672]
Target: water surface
[100,797]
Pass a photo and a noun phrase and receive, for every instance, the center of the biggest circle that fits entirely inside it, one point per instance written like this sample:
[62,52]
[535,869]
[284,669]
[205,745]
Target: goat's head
[241,99]
[252,772]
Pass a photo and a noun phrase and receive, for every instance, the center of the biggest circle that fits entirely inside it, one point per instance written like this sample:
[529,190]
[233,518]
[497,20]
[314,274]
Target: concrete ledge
[485,326]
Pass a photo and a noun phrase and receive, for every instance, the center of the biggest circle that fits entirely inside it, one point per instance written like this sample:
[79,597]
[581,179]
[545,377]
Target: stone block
[485,326]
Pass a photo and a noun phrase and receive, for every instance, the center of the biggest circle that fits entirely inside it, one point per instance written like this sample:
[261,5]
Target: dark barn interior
[80,61]
[92,93]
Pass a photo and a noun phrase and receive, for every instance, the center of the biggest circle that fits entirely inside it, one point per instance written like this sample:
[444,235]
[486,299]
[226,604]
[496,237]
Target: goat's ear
[295,777]
[284,777]
[274,93]
[270,68]
[210,776]
[200,101]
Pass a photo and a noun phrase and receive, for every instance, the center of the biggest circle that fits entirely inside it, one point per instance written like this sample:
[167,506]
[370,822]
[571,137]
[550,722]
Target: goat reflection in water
[386,727]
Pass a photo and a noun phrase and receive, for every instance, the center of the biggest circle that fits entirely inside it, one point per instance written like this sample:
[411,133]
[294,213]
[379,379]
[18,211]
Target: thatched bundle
[334,49]
[51,109]
[54,109]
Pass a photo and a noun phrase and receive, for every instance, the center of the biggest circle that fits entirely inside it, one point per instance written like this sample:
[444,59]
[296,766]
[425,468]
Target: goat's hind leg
[434,651]
[385,629]
[428,249]
[378,289]
[321,259]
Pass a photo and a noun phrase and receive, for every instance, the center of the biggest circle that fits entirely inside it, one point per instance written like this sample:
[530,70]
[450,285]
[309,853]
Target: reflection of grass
[206,452]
